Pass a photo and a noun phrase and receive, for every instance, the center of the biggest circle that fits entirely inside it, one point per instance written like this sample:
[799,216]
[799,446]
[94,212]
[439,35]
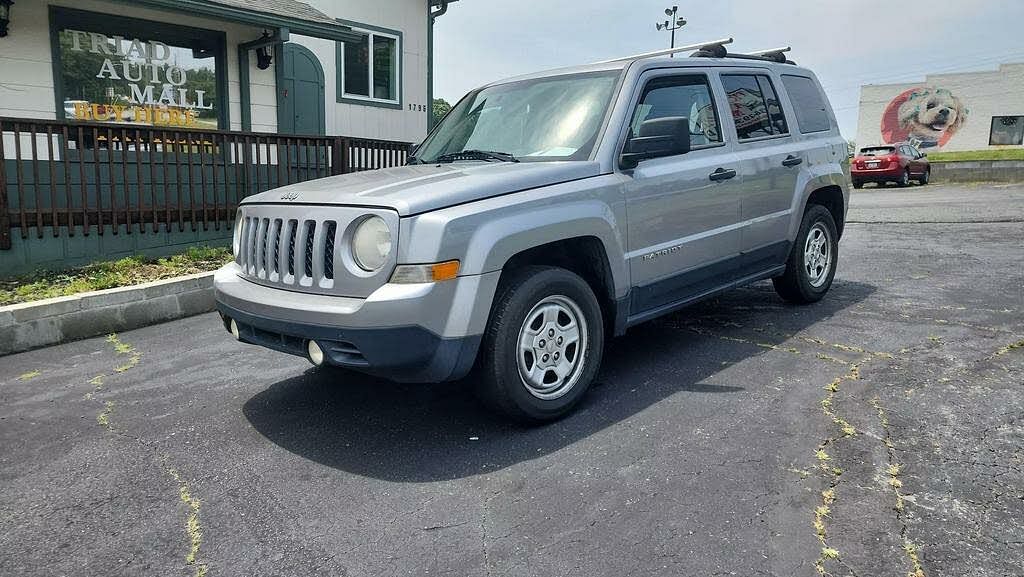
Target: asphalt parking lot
[879,432]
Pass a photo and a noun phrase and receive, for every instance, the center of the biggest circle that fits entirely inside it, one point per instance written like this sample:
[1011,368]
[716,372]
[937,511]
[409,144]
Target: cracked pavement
[694,454]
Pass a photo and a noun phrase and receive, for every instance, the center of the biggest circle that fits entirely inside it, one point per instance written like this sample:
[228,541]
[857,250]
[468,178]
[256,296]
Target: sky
[846,43]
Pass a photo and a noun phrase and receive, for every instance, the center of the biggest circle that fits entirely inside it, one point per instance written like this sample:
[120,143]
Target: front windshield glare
[554,118]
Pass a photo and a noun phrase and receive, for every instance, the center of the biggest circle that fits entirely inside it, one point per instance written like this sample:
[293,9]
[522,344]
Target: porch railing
[73,178]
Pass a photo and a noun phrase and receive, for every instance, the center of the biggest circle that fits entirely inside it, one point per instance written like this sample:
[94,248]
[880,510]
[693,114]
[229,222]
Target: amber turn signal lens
[445,270]
[424,273]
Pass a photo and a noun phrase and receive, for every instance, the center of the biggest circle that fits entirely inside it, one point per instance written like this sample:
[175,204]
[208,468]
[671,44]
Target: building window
[1007,130]
[370,68]
[123,71]
[755,106]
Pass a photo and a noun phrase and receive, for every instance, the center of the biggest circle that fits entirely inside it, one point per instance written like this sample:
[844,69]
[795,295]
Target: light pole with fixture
[674,23]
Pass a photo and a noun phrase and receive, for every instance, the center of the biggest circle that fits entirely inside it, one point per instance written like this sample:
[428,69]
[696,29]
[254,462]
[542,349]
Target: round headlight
[371,243]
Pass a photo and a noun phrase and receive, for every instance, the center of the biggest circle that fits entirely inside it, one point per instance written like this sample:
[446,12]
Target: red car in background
[899,163]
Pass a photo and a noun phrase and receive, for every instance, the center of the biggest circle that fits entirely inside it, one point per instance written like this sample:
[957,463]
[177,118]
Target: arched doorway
[300,92]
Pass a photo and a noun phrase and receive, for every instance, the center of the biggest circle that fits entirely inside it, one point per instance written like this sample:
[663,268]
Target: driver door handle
[722,174]
[792,160]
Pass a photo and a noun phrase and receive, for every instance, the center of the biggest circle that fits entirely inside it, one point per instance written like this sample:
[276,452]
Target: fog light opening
[233,327]
[316,354]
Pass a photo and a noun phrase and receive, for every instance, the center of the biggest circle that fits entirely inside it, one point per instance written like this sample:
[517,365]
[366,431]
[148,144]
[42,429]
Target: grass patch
[127,271]
[995,154]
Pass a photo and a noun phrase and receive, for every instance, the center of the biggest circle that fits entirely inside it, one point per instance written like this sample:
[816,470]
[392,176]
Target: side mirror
[924,155]
[657,137]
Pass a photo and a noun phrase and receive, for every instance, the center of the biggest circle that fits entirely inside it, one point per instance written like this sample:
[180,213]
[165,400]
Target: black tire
[497,377]
[858,184]
[904,180]
[925,177]
[795,285]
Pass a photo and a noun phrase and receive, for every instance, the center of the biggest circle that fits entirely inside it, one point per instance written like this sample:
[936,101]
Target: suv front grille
[303,248]
[262,249]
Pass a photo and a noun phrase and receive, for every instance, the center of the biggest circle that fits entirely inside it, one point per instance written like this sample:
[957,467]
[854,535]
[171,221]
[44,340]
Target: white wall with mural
[950,112]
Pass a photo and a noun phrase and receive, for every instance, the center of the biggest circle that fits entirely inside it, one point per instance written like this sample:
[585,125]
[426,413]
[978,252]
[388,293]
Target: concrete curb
[978,171]
[36,324]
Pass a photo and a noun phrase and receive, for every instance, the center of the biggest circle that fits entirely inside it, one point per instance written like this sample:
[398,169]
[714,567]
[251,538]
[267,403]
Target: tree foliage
[439,109]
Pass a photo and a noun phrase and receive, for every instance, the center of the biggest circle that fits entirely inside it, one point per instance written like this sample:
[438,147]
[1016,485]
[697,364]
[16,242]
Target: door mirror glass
[657,137]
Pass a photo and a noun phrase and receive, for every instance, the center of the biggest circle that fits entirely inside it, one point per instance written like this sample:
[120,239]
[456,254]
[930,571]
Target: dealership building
[948,112]
[137,126]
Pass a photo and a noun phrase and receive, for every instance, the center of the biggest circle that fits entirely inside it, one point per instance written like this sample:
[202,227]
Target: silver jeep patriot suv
[545,214]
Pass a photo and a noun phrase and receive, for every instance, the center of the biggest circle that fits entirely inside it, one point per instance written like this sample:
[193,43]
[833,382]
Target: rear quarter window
[810,106]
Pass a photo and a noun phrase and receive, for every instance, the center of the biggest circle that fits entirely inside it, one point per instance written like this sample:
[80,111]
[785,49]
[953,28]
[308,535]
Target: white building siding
[410,18]
[982,96]
[27,90]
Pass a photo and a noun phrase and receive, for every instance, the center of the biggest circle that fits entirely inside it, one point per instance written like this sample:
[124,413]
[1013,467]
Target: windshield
[555,118]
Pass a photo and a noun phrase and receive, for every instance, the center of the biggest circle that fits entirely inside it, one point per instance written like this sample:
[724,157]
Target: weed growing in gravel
[1010,347]
[104,417]
[124,349]
[894,470]
[192,526]
[830,470]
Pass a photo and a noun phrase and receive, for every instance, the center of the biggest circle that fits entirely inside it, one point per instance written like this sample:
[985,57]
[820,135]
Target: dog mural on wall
[926,116]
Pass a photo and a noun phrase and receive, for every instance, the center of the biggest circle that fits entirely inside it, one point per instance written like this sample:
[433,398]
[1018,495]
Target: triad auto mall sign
[119,79]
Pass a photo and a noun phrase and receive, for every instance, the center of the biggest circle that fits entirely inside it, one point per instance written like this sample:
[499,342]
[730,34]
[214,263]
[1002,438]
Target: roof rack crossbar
[779,50]
[774,54]
[777,55]
[702,45]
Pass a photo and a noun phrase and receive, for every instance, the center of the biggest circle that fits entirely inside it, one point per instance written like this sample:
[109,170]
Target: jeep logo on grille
[289,196]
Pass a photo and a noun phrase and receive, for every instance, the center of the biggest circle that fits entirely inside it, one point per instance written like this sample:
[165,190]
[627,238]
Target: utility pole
[672,24]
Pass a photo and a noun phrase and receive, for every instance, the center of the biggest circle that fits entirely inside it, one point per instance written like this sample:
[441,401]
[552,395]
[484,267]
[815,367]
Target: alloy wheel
[817,255]
[552,347]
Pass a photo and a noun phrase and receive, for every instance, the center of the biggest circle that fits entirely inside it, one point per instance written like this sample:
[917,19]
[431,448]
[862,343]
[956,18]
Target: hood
[423,187]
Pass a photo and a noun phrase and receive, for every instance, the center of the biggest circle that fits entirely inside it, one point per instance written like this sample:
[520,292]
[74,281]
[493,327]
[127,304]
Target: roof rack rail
[720,44]
[777,55]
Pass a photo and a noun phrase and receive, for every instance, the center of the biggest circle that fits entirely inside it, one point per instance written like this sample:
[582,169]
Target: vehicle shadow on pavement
[433,432]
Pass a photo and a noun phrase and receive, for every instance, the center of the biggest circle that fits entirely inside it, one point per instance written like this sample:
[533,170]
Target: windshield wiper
[476,155]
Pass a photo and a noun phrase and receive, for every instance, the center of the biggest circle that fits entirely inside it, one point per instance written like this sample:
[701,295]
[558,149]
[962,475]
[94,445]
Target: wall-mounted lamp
[263,58]
[5,16]
[263,54]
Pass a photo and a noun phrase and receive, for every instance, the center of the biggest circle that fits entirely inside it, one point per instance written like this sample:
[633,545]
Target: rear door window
[809,104]
[755,106]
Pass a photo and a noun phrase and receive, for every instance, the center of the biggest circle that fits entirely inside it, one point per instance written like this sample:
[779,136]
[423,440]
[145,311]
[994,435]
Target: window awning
[298,17]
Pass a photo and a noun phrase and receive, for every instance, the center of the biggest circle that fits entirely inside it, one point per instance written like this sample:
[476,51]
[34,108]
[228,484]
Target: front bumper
[410,333]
